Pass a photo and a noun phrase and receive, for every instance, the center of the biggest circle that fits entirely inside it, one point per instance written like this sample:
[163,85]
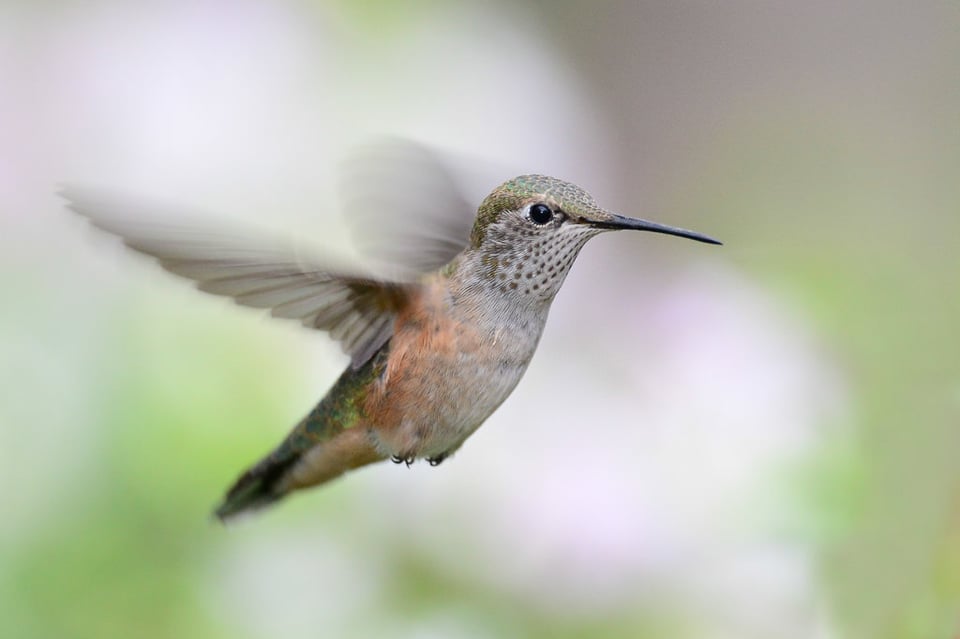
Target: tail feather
[257,487]
[325,444]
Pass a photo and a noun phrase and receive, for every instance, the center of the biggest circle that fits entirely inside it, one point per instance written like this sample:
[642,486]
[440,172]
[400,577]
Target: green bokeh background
[823,147]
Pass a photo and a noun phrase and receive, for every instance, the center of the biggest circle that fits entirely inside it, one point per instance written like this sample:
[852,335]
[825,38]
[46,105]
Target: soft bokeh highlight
[750,441]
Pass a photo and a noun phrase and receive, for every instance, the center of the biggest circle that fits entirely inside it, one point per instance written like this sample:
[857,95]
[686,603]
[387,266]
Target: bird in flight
[435,346]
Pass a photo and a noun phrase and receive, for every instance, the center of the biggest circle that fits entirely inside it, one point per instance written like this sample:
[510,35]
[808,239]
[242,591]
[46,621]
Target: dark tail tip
[255,489]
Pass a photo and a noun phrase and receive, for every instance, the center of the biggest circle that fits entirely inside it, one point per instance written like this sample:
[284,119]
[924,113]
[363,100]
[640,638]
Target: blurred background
[757,440]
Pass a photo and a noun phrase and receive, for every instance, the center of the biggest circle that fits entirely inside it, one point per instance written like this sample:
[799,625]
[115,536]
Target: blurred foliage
[121,431]
[864,242]
[128,547]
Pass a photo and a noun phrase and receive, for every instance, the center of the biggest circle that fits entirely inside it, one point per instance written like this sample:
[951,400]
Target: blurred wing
[404,206]
[358,311]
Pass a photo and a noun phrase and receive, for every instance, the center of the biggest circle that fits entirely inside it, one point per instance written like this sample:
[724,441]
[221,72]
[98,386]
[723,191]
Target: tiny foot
[404,459]
[436,461]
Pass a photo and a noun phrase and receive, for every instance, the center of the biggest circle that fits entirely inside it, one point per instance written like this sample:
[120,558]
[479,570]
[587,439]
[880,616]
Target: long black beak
[621,222]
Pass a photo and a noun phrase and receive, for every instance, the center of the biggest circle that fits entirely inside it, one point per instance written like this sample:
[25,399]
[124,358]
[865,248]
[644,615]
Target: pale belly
[439,390]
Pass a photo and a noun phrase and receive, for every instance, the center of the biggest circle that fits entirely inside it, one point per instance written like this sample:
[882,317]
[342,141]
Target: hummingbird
[432,353]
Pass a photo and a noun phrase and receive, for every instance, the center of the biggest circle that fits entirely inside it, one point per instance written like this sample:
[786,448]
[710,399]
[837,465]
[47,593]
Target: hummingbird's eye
[540,214]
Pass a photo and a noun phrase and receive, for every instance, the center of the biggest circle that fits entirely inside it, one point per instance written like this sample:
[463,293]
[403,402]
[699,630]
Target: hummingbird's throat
[531,267]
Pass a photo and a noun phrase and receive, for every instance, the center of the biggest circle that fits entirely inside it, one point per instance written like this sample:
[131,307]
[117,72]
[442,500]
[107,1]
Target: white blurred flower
[292,585]
[627,469]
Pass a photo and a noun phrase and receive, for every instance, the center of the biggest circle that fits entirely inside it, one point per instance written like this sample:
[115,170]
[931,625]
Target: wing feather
[356,309]
[405,205]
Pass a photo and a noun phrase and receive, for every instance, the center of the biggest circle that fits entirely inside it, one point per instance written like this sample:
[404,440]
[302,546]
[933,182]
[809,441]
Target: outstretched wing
[357,310]
[405,206]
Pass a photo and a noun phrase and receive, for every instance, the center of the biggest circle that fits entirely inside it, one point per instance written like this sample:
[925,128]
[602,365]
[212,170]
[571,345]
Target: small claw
[405,459]
[436,461]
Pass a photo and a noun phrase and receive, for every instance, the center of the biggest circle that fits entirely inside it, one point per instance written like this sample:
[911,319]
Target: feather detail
[355,309]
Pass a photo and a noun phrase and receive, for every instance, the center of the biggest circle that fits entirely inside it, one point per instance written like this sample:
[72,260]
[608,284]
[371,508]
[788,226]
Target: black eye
[540,214]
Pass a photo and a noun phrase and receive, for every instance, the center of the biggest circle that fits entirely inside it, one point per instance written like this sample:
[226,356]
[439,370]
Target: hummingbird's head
[531,228]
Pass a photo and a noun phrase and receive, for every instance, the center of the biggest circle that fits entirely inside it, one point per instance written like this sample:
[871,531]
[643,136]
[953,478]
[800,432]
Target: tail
[301,461]
[325,444]
[258,486]
[269,479]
